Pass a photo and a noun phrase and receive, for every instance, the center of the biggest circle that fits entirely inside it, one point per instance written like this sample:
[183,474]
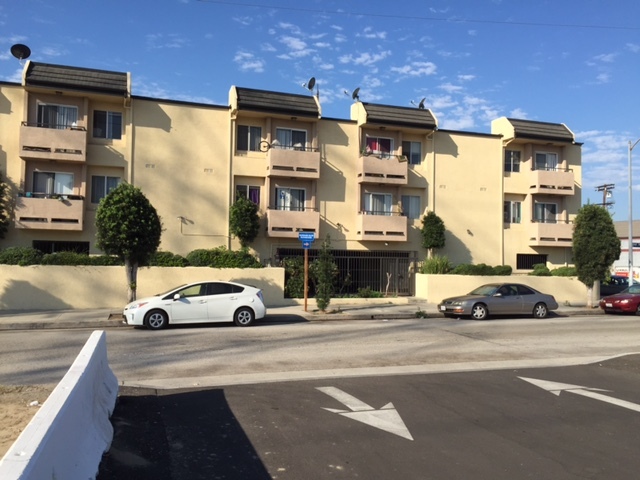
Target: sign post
[307,238]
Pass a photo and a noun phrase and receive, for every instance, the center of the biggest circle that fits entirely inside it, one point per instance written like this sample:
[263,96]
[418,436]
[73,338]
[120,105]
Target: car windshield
[486,290]
[632,289]
[169,291]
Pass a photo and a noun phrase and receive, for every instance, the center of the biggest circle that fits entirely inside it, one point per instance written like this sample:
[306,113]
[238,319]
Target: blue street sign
[306,236]
[306,245]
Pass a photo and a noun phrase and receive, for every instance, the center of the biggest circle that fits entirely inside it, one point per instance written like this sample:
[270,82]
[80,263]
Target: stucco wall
[566,290]
[59,287]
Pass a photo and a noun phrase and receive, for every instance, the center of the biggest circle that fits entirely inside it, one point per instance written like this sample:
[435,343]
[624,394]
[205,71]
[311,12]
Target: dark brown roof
[541,130]
[74,78]
[400,116]
[275,102]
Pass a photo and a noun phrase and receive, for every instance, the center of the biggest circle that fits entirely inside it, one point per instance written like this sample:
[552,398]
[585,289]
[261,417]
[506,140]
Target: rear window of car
[222,288]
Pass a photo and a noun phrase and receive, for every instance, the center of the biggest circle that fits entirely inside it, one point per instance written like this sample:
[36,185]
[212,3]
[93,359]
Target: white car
[202,302]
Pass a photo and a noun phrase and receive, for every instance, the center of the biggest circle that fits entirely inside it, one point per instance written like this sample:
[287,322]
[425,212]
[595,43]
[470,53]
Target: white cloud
[518,113]
[267,47]
[416,69]
[634,47]
[247,62]
[365,59]
[340,38]
[448,87]
[293,43]
[606,57]
[245,21]
[466,78]
[369,32]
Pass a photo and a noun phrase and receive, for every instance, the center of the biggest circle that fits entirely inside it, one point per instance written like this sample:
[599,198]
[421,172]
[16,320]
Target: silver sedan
[499,299]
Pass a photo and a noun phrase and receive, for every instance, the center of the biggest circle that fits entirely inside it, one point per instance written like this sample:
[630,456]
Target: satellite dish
[355,94]
[421,105]
[311,83]
[20,51]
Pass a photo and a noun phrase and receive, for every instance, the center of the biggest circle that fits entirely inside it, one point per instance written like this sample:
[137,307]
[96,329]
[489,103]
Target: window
[107,124]
[49,246]
[101,186]
[411,206]
[526,261]
[249,138]
[290,139]
[512,212]
[413,152]
[377,204]
[546,161]
[290,199]
[379,146]
[545,212]
[53,183]
[57,116]
[248,191]
[511,161]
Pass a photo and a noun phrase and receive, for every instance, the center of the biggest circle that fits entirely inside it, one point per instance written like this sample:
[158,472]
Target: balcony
[385,169]
[385,228]
[552,182]
[297,162]
[61,144]
[551,234]
[43,212]
[287,223]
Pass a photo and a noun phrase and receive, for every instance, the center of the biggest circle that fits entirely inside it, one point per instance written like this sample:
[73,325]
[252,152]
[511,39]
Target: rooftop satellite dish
[421,104]
[20,51]
[311,83]
[355,94]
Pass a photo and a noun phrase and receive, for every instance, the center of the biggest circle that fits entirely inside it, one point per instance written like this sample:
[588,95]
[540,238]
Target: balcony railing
[383,168]
[49,212]
[552,181]
[550,233]
[381,226]
[288,223]
[46,142]
[295,161]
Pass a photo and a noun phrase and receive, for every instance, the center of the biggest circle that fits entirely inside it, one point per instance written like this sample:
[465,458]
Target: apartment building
[68,135]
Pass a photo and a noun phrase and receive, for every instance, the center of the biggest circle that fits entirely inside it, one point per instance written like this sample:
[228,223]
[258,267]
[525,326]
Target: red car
[627,301]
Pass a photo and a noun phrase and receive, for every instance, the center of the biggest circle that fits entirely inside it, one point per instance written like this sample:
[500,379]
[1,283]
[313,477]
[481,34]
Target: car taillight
[260,296]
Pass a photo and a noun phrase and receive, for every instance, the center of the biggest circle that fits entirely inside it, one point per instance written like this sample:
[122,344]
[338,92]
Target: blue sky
[575,62]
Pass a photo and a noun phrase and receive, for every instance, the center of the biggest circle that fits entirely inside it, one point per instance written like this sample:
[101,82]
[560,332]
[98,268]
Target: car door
[223,299]
[508,303]
[191,307]
[529,298]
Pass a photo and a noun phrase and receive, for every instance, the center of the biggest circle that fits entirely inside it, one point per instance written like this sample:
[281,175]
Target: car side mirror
[177,296]
[497,294]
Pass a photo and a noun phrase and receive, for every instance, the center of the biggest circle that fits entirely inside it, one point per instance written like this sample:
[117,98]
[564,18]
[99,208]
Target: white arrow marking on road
[387,418]
[556,388]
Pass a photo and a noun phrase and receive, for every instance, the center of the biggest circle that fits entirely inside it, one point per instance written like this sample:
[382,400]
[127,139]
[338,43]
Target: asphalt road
[476,425]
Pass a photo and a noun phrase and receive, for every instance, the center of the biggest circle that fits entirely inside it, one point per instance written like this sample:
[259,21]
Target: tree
[4,216]
[128,226]
[432,232]
[595,245]
[244,222]
[324,271]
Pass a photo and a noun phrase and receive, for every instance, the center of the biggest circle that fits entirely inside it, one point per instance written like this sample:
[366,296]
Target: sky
[575,62]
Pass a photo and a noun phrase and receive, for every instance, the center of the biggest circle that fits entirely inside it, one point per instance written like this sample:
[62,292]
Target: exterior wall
[566,290]
[467,196]
[62,288]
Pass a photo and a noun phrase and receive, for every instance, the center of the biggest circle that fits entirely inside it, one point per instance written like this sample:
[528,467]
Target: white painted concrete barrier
[68,435]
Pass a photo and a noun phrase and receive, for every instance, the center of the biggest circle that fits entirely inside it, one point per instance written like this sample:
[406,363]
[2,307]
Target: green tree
[128,226]
[4,215]
[432,232]
[595,245]
[244,222]
[324,271]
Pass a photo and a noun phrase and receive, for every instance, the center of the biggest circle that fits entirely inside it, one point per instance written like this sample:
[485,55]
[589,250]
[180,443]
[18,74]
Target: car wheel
[540,310]
[244,317]
[479,311]
[156,320]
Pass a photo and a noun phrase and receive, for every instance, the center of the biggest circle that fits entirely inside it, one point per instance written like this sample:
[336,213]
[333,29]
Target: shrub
[293,277]
[220,257]
[564,272]
[481,269]
[105,260]
[167,259]
[65,258]
[367,292]
[540,270]
[502,270]
[436,265]
[20,256]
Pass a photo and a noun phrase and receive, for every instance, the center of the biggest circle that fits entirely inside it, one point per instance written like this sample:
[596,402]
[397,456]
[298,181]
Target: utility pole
[606,193]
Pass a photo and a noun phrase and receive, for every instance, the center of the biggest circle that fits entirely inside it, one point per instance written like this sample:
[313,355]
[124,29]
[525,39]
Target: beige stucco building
[68,135]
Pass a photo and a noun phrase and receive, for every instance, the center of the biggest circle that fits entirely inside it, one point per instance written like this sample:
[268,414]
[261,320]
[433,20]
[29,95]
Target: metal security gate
[387,272]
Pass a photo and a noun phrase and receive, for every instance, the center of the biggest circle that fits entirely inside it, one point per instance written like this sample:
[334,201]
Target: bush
[105,261]
[367,292]
[65,258]
[293,277]
[481,269]
[540,270]
[436,265]
[502,270]
[20,256]
[167,259]
[564,272]
[220,257]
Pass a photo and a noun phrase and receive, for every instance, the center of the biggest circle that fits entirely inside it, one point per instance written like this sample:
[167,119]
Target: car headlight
[625,301]
[133,306]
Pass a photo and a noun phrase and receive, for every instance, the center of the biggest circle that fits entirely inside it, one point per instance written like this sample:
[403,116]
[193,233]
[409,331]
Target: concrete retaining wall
[69,434]
[566,290]
[40,287]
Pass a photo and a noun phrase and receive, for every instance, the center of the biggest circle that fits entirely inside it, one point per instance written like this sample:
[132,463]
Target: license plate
[610,305]
[443,308]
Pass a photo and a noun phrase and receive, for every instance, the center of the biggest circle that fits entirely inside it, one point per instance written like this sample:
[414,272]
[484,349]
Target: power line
[417,17]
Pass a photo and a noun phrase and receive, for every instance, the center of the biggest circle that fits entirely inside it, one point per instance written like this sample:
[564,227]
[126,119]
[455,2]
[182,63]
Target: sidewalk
[338,310]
